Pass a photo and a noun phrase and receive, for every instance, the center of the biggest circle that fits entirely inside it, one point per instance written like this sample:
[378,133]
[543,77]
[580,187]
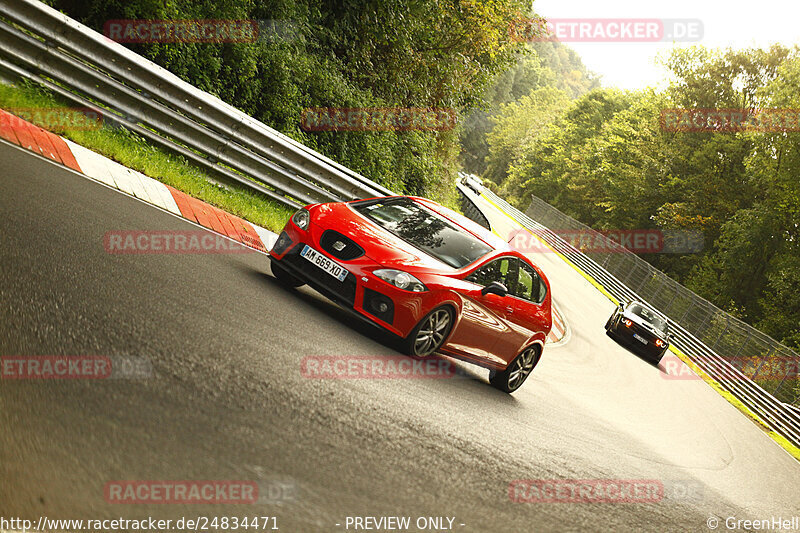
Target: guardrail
[468,207]
[39,44]
[782,417]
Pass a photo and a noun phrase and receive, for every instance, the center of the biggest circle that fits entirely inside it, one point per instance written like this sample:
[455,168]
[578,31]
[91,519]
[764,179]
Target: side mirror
[621,306]
[495,287]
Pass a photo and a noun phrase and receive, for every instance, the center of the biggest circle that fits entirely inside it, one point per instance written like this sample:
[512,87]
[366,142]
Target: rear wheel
[284,276]
[431,332]
[517,372]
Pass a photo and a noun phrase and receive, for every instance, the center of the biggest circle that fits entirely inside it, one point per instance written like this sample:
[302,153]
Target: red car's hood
[380,245]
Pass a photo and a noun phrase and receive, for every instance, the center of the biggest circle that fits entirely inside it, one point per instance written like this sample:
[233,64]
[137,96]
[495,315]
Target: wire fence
[762,359]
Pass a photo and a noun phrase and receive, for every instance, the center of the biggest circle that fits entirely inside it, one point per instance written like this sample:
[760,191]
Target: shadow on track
[465,372]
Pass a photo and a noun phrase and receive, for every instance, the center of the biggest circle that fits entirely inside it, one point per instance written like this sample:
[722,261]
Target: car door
[484,329]
[528,316]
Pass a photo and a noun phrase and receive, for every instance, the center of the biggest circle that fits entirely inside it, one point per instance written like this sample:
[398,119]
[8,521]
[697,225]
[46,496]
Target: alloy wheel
[432,333]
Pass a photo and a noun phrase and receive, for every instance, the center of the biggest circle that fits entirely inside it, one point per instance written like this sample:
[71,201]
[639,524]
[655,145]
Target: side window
[529,285]
[502,270]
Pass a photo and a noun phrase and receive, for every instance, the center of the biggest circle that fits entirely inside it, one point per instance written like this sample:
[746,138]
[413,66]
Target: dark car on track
[641,328]
[430,276]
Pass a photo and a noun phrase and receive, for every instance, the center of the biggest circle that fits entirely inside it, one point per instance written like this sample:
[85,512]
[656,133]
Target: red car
[425,273]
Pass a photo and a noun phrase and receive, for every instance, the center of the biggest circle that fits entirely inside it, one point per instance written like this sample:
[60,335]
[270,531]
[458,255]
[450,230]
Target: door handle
[509,309]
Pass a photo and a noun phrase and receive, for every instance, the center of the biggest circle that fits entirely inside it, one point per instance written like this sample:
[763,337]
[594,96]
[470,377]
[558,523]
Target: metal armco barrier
[471,211]
[780,416]
[39,44]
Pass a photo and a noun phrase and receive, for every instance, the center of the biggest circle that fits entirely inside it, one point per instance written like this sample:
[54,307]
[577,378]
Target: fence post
[764,360]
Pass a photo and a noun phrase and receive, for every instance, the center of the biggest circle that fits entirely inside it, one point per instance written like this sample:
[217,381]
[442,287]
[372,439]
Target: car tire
[430,333]
[284,276]
[518,370]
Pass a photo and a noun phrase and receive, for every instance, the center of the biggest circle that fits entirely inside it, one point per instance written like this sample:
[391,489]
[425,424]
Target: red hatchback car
[425,273]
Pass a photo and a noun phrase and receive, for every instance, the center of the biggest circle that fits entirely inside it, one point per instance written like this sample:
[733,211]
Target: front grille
[348,249]
[343,292]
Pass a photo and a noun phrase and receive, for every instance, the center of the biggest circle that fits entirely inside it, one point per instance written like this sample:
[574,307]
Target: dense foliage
[607,161]
[342,53]
[514,97]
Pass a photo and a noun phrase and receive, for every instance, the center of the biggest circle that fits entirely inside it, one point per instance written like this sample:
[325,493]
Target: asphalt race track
[223,397]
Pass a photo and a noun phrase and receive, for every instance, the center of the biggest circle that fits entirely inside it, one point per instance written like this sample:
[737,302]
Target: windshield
[649,316]
[425,230]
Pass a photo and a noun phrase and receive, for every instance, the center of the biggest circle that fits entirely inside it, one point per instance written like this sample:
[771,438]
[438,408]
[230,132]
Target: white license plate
[331,267]
[639,338]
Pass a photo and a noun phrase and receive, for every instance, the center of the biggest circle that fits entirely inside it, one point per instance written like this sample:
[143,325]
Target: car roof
[649,308]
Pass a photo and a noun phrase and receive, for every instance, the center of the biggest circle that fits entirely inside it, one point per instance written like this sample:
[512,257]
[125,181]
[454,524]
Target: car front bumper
[382,303]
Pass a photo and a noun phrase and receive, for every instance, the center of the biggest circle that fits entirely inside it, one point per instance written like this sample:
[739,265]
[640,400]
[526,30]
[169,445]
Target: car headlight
[301,219]
[401,280]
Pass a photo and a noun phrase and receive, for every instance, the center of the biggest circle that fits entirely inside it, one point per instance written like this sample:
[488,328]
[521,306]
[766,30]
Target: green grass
[134,152]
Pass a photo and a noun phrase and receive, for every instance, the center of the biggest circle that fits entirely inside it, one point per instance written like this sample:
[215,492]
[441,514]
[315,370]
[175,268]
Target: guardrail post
[672,300]
[763,360]
[724,331]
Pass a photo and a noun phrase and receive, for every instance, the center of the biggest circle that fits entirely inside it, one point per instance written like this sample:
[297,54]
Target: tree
[518,124]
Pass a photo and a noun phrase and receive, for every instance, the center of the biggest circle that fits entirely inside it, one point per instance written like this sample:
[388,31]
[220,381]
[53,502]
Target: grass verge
[132,151]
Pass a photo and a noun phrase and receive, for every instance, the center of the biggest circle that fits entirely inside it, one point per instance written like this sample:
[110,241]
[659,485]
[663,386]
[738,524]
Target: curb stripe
[166,196]
[90,164]
[6,131]
[45,146]
[74,156]
[182,202]
[66,155]
[558,330]
[25,138]
[230,231]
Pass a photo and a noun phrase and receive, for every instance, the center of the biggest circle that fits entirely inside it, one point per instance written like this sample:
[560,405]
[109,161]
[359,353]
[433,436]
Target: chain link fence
[770,364]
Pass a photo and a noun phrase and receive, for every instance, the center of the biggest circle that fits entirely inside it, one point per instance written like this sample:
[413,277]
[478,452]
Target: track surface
[226,399]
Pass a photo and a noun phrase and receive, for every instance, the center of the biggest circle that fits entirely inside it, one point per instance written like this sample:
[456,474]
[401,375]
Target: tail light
[660,343]
[628,323]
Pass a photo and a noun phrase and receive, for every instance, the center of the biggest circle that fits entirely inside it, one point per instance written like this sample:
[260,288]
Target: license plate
[639,338]
[331,267]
